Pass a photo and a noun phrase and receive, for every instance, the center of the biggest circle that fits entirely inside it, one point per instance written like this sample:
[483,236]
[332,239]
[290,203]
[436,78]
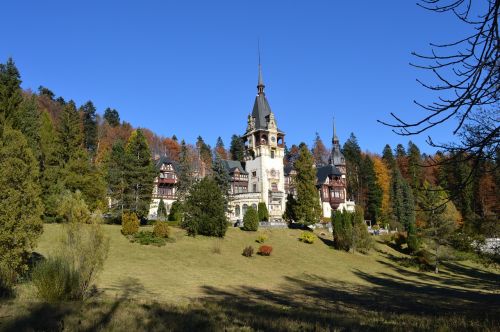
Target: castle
[262,176]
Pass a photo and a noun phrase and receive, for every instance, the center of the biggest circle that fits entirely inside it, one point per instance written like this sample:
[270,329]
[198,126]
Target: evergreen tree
[308,209]
[112,117]
[221,177]
[20,204]
[69,132]
[251,220]
[205,151]
[352,154]
[175,212]
[292,155]
[89,127]
[185,173]
[52,177]
[205,213]
[263,212]
[290,208]
[43,91]
[162,211]
[319,152]
[10,93]
[116,169]
[401,160]
[220,149]
[403,204]
[342,230]
[237,148]
[140,174]
[388,156]
[373,202]
[81,175]
[26,119]
[415,174]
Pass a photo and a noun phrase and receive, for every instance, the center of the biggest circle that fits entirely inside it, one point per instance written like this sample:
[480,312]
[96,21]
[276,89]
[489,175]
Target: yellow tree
[384,181]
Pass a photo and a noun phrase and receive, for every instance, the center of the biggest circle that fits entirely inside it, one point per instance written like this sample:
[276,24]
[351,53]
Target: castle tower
[264,152]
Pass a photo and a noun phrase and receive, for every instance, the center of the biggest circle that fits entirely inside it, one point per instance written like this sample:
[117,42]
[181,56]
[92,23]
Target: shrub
[54,279]
[261,238]
[248,251]
[413,243]
[175,212]
[161,229]
[263,213]
[148,238]
[251,220]
[265,250]
[307,237]
[72,208]
[399,239]
[130,223]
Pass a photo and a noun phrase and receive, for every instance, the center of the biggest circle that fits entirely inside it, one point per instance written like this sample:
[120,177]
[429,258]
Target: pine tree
[139,174]
[81,175]
[352,154]
[401,160]
[20,204]
[116,179]
[403,204]
[263,212]
[251,220]
[221,177]
[52,176]
[373,190]
[290,208]
[237,148]
[415,173]
[220,149]
[112,117]
[69,132]
[162,211]
[26,119]
[205,151]
[43,91]
[205,212]
[308,209]
[10,93]
[89,127]
[185,173]
[388,156]
[319,152]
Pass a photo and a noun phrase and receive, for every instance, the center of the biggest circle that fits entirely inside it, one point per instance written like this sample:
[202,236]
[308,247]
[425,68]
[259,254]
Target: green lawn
[187,286]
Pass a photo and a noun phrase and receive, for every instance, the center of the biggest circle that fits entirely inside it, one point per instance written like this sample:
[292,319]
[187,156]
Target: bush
[399,239]
[265,250]
[261,238]
[148,238]
[55,280]
[130,223]
[251,220]
[413,243]
[248,251]
[175,212]
[72,208]
[263,213]
[161,229]
[307,237]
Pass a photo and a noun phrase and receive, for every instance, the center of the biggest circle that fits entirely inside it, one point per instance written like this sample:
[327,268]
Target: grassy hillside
[188,285]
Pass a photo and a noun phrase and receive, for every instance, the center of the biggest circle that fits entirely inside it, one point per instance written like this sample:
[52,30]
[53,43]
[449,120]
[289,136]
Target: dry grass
[185,286]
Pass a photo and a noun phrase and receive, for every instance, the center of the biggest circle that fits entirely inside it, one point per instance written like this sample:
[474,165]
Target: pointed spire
[260,83]
[335,139]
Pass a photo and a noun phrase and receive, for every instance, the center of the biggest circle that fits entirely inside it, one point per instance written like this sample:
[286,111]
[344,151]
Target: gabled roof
[232,165]
[166,160]
[323,172]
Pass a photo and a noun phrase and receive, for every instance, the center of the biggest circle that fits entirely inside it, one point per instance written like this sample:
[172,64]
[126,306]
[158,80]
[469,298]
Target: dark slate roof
[323,172]
[338,157]
[166,160]
[232,165]
[261,111]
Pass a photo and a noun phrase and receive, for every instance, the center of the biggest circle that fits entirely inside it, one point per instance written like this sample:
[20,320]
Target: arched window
[254,206]
[245,208]
[237,211]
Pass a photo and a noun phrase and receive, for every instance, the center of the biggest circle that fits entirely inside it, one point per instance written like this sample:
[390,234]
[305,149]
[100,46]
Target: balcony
[167,180]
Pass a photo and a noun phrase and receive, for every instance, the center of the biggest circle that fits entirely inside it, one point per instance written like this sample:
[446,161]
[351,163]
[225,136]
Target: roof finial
[260,83]
[335,138]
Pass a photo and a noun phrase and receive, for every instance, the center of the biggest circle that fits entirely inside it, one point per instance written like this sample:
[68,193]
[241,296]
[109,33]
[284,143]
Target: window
[272,154]
[254,206]
[237,211]
[254,174]
[274,186]
[254,187]
[245,208]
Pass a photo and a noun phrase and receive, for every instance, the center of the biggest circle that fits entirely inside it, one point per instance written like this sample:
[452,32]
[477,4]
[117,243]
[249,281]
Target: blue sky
[190,67]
